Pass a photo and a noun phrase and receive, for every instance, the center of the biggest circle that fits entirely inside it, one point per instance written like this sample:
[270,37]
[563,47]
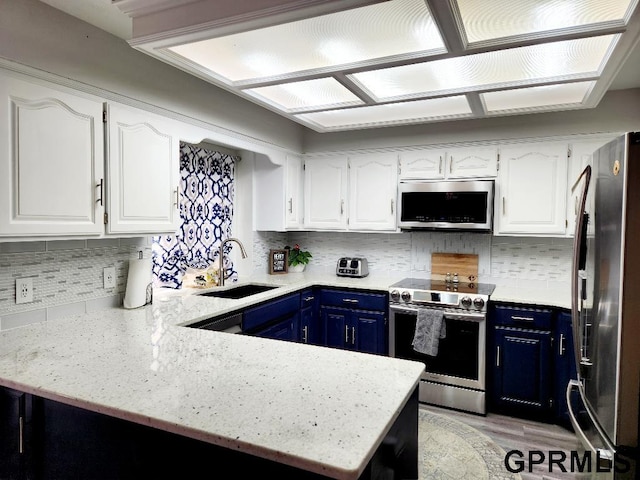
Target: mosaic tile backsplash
[520,260]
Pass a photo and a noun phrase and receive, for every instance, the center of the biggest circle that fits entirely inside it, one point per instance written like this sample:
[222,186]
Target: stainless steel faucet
[243,252]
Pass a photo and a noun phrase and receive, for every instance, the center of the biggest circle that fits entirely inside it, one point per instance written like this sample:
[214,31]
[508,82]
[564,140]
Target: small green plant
[297,256]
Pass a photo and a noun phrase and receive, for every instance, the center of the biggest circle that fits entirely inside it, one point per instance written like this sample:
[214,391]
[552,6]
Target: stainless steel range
[455,376]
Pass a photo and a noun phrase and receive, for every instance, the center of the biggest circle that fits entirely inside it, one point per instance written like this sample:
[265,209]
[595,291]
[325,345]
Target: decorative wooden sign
[278,260]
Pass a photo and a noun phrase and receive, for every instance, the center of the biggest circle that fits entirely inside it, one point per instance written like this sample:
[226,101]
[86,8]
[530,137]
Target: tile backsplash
[67,276]
[534,261]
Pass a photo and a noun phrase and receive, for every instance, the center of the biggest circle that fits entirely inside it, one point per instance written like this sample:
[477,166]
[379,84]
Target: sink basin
[240,291]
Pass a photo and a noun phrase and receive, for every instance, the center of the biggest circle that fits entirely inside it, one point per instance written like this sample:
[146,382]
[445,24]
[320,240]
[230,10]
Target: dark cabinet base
[74,443]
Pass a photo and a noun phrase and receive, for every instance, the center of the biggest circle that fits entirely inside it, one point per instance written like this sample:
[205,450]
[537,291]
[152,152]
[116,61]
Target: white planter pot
[296,268]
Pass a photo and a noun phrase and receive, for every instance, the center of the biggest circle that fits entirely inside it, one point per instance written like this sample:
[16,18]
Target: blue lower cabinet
[522,371]
[358,330]
[564,369]
[285,329]
[309,331]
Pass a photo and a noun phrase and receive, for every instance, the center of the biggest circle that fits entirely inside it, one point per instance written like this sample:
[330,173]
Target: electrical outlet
[24,290]
[109,276]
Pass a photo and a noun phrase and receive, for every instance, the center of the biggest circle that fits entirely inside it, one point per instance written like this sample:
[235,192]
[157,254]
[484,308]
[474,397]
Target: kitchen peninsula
[303,411]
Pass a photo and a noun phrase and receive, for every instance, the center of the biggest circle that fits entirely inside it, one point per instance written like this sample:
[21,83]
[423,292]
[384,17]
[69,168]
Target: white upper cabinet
[373,187]
[325,193]
[472,162]
[531,190]
[51,161]
[143,172]
[294,192]
[455,162]
[423,164]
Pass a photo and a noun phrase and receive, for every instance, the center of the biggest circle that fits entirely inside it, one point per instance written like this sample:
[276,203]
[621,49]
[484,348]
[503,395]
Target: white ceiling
[106,15]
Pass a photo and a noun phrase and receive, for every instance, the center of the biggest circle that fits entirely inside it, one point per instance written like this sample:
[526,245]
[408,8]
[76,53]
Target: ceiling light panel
[516,66]
[505,18]
[310,94]
[387,29]
[537,97]
[392,113]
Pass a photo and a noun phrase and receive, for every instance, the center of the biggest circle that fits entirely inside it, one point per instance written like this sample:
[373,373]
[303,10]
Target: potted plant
[298,259]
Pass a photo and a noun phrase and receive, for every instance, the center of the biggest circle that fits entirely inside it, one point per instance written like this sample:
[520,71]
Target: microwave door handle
[578,239]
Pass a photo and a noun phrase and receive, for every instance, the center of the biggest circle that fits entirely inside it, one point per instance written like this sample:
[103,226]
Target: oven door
[461,354]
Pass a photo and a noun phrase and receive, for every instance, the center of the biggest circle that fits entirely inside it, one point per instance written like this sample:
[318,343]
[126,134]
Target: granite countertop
[292,403]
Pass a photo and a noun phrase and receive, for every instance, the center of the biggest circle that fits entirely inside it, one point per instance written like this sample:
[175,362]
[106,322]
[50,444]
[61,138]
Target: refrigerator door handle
[604,455]
[578,238]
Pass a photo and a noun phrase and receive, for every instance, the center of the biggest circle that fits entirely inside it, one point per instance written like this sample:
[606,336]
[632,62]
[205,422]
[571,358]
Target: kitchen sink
[240,291]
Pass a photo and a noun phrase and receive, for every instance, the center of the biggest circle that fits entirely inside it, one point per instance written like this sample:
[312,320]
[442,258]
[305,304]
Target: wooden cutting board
[464,264]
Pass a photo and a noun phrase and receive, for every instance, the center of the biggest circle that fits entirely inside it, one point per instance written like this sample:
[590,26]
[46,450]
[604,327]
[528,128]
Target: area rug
[448,449]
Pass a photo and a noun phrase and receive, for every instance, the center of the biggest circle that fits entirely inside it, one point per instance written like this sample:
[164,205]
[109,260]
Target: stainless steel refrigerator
[604,399]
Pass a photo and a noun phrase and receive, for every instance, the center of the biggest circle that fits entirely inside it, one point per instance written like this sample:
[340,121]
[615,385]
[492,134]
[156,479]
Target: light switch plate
[109,275]
[24,290]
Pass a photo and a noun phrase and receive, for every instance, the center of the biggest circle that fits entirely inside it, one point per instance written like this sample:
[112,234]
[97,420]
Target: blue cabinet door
[522,370]
[285,329]
[336,326]
[309,331]
[367,331]
[564,369]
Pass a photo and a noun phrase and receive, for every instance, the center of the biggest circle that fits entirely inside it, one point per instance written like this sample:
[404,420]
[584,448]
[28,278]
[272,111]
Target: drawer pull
[308,299]
[561,348]
[522,319]
[353,335]
[304,336]
[346,334]
[350,300]
[498,356]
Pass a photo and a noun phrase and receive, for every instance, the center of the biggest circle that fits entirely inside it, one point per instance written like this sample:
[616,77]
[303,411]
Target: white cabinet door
[143,172]
[51,161]
[469,162]
[532,189]
[294,192]
[373,185]
[325,193]
[422,164]
[581,156]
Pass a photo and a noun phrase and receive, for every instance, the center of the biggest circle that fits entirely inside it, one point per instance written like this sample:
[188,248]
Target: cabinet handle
[575,208]
[350,300]
[291,205]
[504,206]
[22,407]
[304,334]
[392,206]
[440,165]
[101,187]
[308,299]
[522,319]
[353,335]
[341,207]
[177,202]
[498,356]
[450,164]
[561,348]
[346,334]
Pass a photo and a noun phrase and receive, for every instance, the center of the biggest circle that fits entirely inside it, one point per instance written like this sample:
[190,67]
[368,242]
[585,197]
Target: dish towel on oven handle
[430,328]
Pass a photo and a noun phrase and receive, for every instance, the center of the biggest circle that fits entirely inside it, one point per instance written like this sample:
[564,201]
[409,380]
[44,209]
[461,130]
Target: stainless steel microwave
[464,205]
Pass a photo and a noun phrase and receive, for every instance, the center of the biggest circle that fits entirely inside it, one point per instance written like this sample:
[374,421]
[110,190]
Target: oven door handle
[479,317]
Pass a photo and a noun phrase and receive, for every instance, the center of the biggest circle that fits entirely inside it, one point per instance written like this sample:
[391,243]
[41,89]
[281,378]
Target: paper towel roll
[138,283]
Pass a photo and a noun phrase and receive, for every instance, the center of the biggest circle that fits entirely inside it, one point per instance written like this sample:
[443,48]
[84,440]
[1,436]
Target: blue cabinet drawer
[523,317]
[268,312]
[359,300]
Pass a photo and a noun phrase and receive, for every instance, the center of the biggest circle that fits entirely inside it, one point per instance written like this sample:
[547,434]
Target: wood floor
[524,435]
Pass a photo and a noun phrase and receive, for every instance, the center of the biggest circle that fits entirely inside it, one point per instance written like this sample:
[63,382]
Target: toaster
[352,267]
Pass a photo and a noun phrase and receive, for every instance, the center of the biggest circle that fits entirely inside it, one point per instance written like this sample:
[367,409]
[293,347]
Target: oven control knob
[395,295]
[478,303]
[466,302]
[406,296]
